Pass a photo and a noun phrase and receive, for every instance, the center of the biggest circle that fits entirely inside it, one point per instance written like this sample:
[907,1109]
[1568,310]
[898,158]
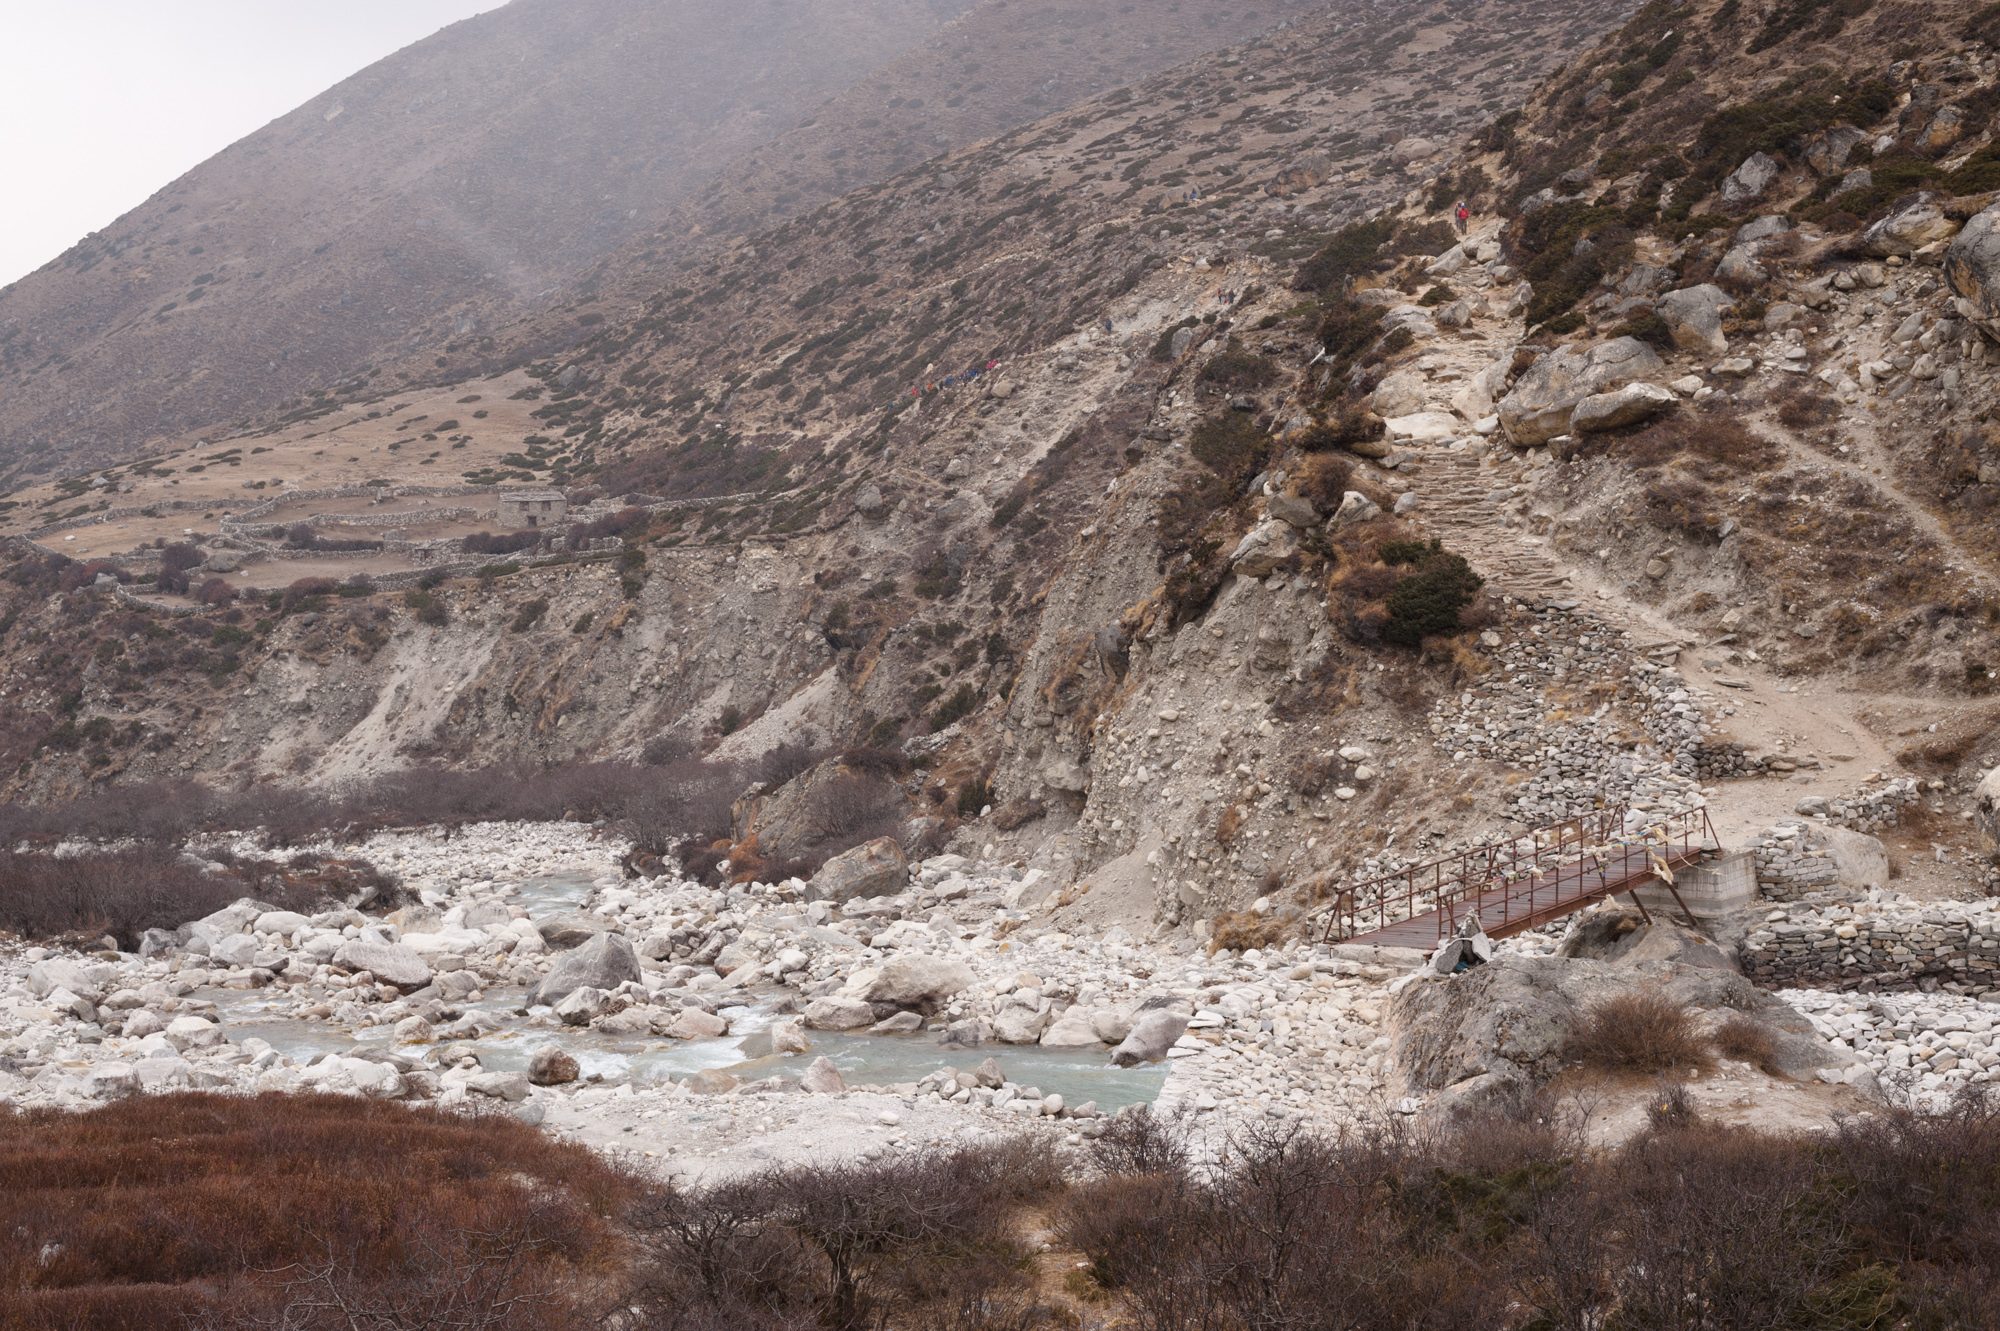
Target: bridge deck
[1529,901]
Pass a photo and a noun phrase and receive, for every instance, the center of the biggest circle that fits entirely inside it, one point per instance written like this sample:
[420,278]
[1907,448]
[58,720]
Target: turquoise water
[864,1060]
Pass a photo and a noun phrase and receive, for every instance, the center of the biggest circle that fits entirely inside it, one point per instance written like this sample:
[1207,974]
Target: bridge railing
[1541,870]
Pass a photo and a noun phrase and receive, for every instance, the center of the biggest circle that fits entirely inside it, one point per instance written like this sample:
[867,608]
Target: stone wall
[1881,944]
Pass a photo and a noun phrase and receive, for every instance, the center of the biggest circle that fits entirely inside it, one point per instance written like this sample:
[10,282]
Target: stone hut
[532,508]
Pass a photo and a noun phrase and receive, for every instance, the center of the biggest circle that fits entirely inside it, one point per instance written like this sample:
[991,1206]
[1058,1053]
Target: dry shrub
[1711,442]
[1748,1041]
[1241,930]
[1325,478]
[123,893]
[1637,1032]
[1229,825]
[248,1210]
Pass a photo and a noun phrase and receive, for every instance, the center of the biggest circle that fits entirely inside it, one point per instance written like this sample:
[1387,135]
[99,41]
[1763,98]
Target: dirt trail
[1469,496]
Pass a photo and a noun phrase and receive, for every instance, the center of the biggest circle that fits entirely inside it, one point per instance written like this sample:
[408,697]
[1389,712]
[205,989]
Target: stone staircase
[1465,495]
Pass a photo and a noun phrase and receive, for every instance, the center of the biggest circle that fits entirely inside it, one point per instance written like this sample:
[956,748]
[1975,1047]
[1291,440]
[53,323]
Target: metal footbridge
[1514,885]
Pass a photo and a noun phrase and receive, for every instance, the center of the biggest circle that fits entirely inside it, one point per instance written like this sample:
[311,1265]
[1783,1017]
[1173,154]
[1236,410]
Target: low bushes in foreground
[300,1212]
[312,1212]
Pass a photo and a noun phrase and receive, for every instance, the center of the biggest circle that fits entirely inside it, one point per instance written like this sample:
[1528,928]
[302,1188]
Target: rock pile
[1929,1047]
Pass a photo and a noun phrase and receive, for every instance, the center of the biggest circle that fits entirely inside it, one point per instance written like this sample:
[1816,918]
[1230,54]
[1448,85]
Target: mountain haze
[474,176]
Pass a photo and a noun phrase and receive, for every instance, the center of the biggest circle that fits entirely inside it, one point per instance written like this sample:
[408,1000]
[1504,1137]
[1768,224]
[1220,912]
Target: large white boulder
[390,963]
[917,981]
[1538,407]
[1152,1035]
[605,962]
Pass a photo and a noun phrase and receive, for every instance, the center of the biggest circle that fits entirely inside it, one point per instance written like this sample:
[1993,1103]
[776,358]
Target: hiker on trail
[1461,215]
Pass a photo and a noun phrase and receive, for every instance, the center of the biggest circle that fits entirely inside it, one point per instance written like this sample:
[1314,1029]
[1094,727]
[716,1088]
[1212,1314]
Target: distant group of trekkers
[930,386]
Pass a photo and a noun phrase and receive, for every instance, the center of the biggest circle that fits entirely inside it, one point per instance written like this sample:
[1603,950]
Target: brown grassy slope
[823,324]
[475,176]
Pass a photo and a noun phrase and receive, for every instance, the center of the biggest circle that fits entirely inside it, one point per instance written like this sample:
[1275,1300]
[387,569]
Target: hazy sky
[103,102]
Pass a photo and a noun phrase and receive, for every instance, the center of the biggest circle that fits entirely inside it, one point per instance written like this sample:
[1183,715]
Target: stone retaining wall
[1879,945]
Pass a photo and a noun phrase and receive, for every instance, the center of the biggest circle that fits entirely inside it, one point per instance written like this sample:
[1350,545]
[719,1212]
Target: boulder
[111,1081]
[1987,810]
[572,929]
[581,1006]
[1412,149]
[391,963]
[822,1078]
[1018,1023]
[605,962]
[235,950]
[1919,223]
[1151,1036]
[552,1065]
[869,501]
[283,922]
[1356,507]
[1860,861]
[193,1033]
[694,1024]
[1972,266]
[86,979]
[1747,183]
[1538,407]
[1072,1030]
[234,918]
[1633,404]
[1424,427]
[834,1013]
[918,981]
[1827,151]
[876,869]
[1297,510]
[1400,394]
[511,1087]
[1693,316]
[1263,548]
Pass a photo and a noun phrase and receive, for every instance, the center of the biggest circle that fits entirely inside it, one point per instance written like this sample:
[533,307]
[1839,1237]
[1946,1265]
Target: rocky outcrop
[1921,222]
[1538,407]
[1631,405]
[1747,183]
[1499,1031]
[1693,316]
[876,869]
[1972,266]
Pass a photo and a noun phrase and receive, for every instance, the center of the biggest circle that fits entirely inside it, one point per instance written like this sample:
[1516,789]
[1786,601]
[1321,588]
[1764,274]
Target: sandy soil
[342,448]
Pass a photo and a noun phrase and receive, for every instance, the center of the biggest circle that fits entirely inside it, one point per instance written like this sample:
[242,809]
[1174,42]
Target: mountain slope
[474,176]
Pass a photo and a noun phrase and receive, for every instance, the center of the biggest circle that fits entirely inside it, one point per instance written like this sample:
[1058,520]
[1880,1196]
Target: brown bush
[1749,1042]
[1325,478]
[246,1210]
[125,892]
[1637,1032]
[1239,931]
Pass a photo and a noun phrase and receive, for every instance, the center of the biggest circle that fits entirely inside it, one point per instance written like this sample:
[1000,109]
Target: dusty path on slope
[1471,493]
